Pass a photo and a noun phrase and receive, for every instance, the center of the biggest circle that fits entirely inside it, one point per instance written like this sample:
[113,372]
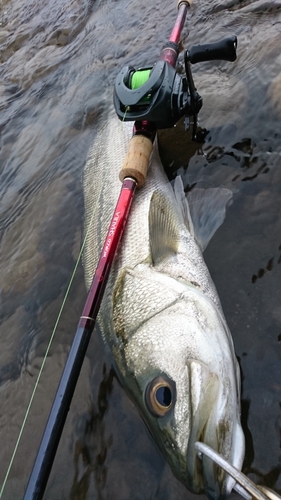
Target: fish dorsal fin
[203,210]
[164,231]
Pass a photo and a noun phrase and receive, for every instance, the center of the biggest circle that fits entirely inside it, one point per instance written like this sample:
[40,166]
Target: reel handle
[160,95]
[223,49]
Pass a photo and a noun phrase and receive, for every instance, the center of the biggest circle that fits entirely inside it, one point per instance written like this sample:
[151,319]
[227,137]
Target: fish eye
[160,395]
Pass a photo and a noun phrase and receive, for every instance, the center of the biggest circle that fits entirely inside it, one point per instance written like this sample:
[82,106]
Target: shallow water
[58,64]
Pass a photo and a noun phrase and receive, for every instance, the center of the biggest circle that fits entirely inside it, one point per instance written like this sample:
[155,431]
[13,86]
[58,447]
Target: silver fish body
[161,316]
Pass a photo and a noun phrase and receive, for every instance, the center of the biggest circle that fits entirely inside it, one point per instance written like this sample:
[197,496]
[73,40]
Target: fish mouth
[223,435]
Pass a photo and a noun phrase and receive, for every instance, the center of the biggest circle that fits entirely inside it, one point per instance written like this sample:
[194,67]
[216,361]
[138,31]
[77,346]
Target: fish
[161,318]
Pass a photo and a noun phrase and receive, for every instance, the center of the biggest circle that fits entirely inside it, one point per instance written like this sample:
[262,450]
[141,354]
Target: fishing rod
[133,175]
[154,98]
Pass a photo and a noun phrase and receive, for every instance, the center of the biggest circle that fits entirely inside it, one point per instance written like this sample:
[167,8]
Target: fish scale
[160,316]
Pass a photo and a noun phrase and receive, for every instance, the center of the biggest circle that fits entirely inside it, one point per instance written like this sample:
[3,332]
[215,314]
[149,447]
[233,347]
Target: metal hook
[245,487]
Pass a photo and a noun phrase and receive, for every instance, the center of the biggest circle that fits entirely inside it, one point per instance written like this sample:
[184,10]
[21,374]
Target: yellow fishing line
[44,360]
[123,119]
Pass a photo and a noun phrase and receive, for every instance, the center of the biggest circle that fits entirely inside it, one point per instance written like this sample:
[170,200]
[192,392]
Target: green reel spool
[138,78]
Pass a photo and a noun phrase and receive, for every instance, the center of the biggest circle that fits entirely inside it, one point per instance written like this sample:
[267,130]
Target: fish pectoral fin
[203,210]
[182,203]
[208,209]
[164,232]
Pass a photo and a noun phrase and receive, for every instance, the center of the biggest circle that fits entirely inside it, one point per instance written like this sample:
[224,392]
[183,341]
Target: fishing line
[45,358]
[126,109]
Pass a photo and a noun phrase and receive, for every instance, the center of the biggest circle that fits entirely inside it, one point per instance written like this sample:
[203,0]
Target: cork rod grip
[137,159]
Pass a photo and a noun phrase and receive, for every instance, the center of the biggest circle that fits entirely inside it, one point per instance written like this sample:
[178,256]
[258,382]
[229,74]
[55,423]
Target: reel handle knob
[224,50]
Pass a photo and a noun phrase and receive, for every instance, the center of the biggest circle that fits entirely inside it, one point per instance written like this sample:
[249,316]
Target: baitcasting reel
[162,96]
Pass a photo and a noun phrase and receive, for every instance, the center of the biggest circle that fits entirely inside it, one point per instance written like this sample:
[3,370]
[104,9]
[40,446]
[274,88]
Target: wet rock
[262,6]
[77,244]
[22,274]
[274,93]
[20,264]
[24,249]
[224,99]
[3,35]
[59,37]
[10,333]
